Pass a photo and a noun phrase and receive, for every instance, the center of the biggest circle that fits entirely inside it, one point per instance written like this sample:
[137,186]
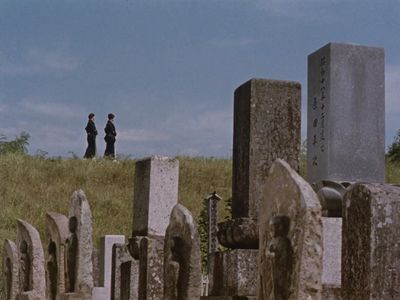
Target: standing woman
[91,137]
[110,137]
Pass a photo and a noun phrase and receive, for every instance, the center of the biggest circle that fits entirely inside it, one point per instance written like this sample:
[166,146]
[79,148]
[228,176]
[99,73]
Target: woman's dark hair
[91,115]
[111,116]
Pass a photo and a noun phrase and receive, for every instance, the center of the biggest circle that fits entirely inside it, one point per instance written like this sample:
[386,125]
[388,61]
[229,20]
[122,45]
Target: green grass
[31,186]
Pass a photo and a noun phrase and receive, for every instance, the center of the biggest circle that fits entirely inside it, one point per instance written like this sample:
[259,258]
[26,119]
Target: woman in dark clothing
[91,137]
[110,137]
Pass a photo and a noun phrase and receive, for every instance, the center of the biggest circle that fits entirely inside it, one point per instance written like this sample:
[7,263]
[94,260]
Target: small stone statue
[24,267]
[280,252]
[72,252]
[52,269]
[8,276]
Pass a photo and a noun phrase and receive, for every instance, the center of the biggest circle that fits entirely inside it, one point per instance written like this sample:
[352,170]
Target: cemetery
[333,235]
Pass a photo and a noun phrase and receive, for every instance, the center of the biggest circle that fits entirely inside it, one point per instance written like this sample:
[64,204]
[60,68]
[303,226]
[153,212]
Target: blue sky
[168,68]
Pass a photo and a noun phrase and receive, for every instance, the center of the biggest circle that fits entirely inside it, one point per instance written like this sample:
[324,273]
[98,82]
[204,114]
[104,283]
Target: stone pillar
[266,127]
[155,195]
[290,256]
[212,202]
[371,234]
[346,114]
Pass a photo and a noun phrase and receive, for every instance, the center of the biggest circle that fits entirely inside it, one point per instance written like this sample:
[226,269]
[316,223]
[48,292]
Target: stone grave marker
[371,235]
[182,259]
[10,269]
[57,232]
[31,272]
[346,114]
[79,249]
[290,256]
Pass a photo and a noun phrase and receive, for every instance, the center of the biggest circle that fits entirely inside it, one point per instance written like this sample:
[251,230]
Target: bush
[394,149]
[17,146]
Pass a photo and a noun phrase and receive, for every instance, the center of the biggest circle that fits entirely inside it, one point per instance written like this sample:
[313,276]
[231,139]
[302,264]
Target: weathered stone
[290,256]
[330,194]
[212,209]
[32,278]
[151,269]
[79,249]
[233,273]
[57,233]
[155,194]
[239,233]
[371,234]
[107,243]
[228,298]
[266,127]
[332,257]
[125,274]
[182,259]
[346,114]
[10,269]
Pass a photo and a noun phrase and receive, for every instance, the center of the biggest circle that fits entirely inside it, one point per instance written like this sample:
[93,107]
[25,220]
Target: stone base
[233,273]
[331,292]
[332,255]
[228,298]
[240,233]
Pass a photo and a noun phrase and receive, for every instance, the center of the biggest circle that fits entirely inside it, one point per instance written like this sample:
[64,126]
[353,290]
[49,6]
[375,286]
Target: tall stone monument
[266,127]
[290,257]
[346,114]
[371,234]
[155,195]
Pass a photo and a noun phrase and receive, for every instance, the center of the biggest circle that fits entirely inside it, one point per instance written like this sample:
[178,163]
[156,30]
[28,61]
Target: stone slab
[332,255]
[233,273]
[155,194]
[371,234]
[266,127]
[346,114]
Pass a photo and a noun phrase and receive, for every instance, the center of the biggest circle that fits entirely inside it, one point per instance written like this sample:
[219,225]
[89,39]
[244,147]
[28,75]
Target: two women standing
[109,138]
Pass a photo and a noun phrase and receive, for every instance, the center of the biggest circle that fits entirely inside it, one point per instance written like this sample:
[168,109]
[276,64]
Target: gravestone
[57,233]
[124,274]
[155,195]
[290,256]
[266,127]
[31,273]
[10,269]
[182,259]
[371,234]
[79,249]
[346,114]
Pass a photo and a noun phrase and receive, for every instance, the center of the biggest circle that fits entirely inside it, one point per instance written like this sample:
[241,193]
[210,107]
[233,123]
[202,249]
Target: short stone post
[371,237]
[212,201]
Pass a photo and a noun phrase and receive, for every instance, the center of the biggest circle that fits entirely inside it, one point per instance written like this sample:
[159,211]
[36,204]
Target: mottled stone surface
[57,234]
[155,194]
[346,114]
[10,269]
[239,233]
[291,198]
[151,271]
[233,273]
[332,252]
[228,298]
[331,292]
[26,233]
[371,235]
[182,259]
[125,274]
[266,127]
[79,208]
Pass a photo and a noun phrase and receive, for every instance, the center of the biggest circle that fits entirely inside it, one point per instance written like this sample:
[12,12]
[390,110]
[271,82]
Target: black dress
[110,139]
[91,139]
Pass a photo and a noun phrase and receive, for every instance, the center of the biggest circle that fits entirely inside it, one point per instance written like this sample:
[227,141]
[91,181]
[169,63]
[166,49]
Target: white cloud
[36,61]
